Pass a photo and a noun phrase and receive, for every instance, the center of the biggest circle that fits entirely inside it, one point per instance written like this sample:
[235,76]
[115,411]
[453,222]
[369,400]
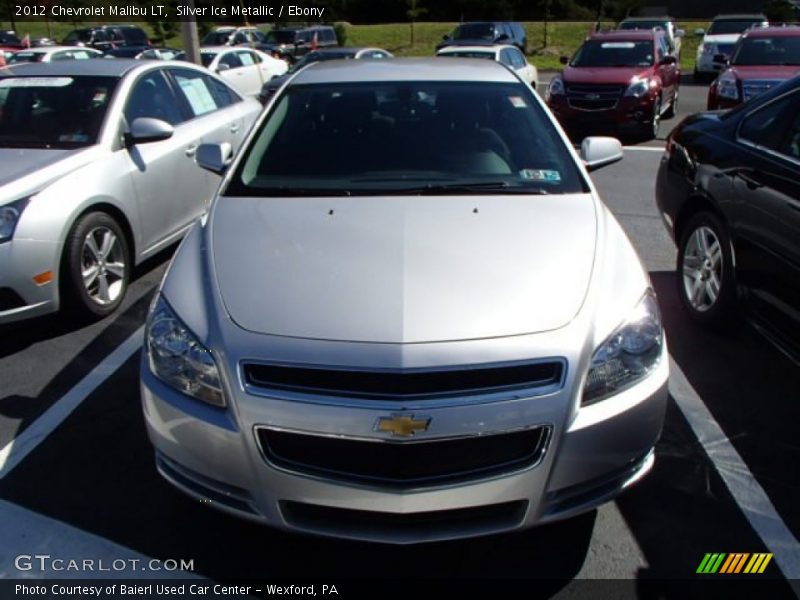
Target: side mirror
[145,130]
[223,67]
[598,152]
[721,59]
[699,32]
[679,33]
[214,157]
[445,37]
[668,60]
[563,59]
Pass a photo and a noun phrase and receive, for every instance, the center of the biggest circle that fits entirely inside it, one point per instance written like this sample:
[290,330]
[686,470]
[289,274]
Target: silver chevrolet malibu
[407,317]
[97,174]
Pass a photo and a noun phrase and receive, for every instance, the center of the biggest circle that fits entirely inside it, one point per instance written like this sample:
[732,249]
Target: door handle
[235,128]
[190,151]
[751,183]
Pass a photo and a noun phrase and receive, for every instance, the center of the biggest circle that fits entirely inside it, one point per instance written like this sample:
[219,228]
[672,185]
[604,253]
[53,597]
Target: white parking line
[17,449]
[749,495]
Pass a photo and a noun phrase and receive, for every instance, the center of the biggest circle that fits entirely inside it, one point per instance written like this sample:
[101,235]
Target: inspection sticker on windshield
[517,101]
[13,82]
[540,175]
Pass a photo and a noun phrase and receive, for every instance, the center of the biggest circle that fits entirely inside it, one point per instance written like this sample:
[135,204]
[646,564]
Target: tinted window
[231,59]
[777,50]
[400,137]
[733,26]
[216,38]
[470,54]
[20,57]
[598,53]
[53,112]
[152,97]
[280,37]
[505,57]
[767,126]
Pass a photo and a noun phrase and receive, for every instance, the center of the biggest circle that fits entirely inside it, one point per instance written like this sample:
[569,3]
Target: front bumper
[213,455]
[20,296]
[628,114]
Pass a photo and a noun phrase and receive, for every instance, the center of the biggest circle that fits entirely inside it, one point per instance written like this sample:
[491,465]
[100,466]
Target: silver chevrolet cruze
[407,316]
[97,174]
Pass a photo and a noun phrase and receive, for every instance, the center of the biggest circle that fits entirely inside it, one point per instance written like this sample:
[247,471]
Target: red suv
[762,58]
[620,81]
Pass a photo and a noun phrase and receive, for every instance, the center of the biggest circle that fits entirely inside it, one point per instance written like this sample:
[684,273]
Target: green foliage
[780,11]
[341,33]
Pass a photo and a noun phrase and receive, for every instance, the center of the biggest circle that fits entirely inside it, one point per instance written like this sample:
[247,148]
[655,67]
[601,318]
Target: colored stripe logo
[736,562]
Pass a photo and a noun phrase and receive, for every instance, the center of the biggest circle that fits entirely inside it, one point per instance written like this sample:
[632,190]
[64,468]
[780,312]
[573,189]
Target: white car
[721,37]
[47,54]
[244,68]
[510,56]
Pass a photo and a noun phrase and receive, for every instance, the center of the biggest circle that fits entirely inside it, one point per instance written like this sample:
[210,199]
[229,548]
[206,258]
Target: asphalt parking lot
[77,472]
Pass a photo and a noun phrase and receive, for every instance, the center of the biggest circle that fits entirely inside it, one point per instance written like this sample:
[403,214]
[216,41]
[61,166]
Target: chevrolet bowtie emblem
[401,425]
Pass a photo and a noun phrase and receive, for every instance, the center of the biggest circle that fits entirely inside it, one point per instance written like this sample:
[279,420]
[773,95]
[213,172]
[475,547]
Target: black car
[108,37]
[487,32]
[728,188]
[293,43]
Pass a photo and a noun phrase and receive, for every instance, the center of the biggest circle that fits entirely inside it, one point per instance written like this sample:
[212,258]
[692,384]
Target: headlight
[628,355]
[640,87]
[556,87]
[727,88]
[178,359]
[9,217]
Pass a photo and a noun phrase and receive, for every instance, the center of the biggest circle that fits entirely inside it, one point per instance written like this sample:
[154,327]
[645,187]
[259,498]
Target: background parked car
[9,39]
[97,173]
[618,81]
[729,189]
[233,36]
[244,68]
[761,59]
[491,32]
[720,39]
[510,56]
[46,54]
[108,37]
[271,86]
[291,44]
[674,35]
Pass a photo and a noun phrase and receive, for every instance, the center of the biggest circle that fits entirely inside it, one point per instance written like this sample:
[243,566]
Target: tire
[95,266]
[706,276]
[673,107]
[649,130]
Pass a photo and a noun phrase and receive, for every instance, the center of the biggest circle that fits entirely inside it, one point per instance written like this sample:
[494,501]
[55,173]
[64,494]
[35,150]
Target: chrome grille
[754,87]
[590,96]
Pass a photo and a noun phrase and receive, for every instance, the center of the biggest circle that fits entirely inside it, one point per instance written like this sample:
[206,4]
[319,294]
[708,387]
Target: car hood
[621,75]
[403,269]
[723,38]
[27,170]
[776,72]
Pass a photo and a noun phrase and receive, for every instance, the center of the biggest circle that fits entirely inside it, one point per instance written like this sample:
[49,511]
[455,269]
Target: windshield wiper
[284,191]
[483,187]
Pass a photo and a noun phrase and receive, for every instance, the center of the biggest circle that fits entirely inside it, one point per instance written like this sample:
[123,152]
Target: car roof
[656,18]
[116,67]
[627,35]
[404,69]
[787,31]
[46,49]
[474,48]
[741,17]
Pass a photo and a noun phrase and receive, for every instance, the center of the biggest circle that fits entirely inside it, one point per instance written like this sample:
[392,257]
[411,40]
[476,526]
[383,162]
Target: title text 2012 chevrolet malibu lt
[407,317]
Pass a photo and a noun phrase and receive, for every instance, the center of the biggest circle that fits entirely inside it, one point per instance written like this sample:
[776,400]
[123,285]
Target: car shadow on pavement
[746,384]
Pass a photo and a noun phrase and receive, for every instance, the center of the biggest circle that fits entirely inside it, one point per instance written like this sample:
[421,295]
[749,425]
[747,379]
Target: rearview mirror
[145,130]
[563,59]
[599,151]
[214,157]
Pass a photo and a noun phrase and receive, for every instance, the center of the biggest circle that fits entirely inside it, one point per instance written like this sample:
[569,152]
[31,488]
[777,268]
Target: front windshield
[474,31]
[598,53]
[280,37]
[732,26]
[406,138]
[767,51]
[53,112]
